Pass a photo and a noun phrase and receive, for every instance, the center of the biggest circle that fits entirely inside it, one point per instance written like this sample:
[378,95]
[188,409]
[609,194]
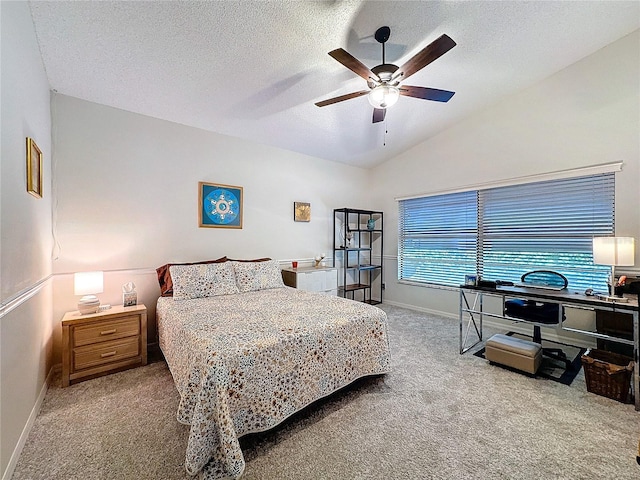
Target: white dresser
[311,279]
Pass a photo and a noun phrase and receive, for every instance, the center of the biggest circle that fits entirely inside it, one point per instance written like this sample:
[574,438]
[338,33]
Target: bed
[246,359]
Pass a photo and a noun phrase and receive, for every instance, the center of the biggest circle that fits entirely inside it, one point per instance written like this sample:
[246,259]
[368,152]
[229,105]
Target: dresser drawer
[104,353]
[104,331]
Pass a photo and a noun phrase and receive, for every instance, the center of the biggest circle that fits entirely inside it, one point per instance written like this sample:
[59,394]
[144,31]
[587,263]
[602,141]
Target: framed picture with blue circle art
[219,206]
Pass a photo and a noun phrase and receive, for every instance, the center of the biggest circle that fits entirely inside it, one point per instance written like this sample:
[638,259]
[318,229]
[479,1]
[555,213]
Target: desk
[475,313]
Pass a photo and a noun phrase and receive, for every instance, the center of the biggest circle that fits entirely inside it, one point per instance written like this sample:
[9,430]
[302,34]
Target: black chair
[540,313]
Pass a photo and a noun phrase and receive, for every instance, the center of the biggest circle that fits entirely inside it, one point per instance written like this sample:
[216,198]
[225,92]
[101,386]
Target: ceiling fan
[384,80]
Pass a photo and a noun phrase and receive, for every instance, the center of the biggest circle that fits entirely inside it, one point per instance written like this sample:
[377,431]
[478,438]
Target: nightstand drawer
[107,352]
[104,331]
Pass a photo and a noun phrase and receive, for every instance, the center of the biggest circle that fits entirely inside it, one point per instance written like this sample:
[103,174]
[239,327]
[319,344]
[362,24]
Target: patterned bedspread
[243,363]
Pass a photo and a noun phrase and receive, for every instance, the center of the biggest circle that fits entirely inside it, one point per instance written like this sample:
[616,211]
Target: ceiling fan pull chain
[386,130]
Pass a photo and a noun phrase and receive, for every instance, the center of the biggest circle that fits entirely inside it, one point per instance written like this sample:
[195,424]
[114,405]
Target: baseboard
[11,466]
[420,309]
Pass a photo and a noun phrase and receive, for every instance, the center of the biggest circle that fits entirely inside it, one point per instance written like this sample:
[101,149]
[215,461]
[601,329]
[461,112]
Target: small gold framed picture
[34,168]
[301,212]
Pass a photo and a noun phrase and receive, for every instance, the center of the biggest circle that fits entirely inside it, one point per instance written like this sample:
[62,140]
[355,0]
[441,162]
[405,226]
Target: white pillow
[202,280]
[251,276]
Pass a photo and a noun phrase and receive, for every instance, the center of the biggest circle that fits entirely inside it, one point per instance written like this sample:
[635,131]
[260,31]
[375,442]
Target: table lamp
[614,251]
[88,284]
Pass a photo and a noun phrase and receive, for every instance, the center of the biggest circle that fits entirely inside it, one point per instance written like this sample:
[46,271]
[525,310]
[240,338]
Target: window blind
[502,233]
[437,239]
[546,226]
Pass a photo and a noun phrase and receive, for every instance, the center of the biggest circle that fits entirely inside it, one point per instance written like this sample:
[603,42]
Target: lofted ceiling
[253,69]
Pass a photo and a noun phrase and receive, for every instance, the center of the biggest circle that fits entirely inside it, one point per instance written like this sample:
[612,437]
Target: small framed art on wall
[301,211]
[219,205]
[34,168]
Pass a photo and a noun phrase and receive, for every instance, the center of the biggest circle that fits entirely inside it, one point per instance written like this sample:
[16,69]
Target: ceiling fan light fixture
[384,80]
[383,96]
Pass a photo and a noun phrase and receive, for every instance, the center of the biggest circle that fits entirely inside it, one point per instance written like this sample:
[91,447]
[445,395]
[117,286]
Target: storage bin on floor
[514,352]
[608,374]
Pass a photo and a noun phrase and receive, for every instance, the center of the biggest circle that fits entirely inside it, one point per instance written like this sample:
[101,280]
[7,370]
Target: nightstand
[100,343]
[311,279]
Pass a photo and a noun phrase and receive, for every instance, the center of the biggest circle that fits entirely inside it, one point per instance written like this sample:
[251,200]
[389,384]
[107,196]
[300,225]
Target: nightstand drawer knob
[108,332]
[108,354]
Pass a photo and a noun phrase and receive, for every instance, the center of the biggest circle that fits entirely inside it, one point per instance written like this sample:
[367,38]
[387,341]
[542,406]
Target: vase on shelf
[371,224]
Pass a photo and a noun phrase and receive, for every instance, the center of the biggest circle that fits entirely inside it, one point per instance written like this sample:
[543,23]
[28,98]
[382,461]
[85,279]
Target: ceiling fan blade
[342,98]
[426,93]
[428,54]
[378,114]
[352,63]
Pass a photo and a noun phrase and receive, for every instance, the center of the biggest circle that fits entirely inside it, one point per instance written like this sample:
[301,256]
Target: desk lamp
[88,284]
[614,251]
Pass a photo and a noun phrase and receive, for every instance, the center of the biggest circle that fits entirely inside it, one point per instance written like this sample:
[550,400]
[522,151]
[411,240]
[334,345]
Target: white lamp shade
[88,283]
[383,96]
[615,251]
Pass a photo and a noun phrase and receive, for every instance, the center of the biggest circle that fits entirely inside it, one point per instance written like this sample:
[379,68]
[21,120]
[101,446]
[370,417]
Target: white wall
[127,198]
[25,229]
[587,114]
[26,220]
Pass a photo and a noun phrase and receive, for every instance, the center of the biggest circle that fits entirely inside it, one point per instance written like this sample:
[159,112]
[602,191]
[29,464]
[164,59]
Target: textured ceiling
[254,69]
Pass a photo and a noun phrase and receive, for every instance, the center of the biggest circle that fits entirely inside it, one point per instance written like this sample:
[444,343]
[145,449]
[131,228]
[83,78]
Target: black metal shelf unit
[357,253]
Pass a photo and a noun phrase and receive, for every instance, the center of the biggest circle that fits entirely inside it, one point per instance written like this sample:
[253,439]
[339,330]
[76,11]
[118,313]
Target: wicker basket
[608,374]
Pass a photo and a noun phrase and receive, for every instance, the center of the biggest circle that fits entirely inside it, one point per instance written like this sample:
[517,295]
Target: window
[501,233]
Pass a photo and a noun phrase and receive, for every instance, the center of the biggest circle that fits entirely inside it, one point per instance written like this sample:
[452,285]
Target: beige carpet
[439,415]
